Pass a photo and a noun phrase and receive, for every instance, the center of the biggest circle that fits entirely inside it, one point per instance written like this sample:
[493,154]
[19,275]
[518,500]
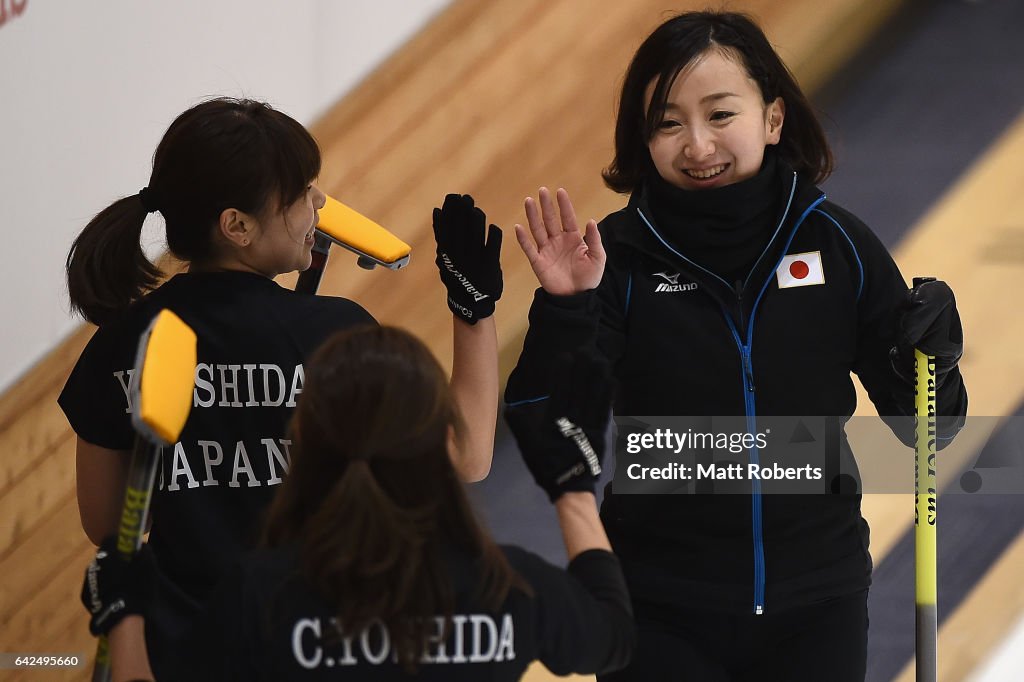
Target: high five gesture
[565,260]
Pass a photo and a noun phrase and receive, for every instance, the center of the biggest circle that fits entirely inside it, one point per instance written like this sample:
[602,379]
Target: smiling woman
[227,177]
[273,242]
[787,295]
[714,124]
[707,83]
[233,180]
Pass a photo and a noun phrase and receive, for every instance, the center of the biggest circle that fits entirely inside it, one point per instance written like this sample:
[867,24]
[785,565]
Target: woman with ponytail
[234,182]
[373,565]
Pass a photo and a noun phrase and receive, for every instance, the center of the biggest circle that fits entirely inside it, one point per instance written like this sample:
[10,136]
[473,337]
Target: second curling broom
[346,227]
[925,516]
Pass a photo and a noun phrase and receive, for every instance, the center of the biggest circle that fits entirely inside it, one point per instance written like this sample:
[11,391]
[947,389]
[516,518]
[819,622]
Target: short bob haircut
[677,43]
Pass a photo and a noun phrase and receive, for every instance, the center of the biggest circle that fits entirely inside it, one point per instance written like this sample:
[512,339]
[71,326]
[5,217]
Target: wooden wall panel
[22,507]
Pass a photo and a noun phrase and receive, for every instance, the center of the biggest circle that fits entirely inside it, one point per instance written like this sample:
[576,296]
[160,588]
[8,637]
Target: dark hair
[674,45]
[372,499]
[222,153]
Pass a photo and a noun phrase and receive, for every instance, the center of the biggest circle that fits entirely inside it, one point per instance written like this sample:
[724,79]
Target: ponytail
[106,267]
[384,554]
[372,502]
[222,153]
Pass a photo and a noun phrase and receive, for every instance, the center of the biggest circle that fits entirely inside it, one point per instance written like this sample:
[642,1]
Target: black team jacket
[683,341]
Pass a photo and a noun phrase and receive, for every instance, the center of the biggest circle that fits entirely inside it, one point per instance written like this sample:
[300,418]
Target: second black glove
[929,321]
[562,439]
[468,257]
[114,588]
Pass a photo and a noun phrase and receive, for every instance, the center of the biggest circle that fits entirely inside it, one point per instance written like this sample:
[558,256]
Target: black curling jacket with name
[268,623]
[684,342]
[214,485]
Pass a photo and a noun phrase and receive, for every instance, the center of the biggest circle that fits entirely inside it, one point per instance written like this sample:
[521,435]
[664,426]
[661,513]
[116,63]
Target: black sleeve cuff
[601,573]
[584,300]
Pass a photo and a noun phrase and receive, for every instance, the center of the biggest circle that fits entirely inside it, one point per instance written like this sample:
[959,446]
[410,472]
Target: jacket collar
[635,228]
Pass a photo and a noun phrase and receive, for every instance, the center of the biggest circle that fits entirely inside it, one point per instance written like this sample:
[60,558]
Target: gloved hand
[114,588]
[562,439]
[470,268]
[930,323]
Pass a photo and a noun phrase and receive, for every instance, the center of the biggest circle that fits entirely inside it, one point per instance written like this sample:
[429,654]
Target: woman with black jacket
[235,182]
[373,565]
[730,286]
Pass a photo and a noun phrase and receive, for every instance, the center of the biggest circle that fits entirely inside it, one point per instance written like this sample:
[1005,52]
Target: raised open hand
[565,260]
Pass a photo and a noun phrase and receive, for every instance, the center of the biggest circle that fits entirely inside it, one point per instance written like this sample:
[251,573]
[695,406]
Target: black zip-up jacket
[267,623]
[684,342]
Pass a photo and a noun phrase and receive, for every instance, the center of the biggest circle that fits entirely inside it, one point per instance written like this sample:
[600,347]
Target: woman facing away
[234,181]
[374,566]
[730,286]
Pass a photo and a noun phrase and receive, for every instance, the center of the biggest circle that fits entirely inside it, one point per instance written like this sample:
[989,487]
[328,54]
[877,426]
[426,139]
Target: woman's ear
[774,116]
[236,226]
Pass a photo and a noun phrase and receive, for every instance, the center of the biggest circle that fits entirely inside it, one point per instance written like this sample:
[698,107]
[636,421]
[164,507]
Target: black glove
[930,323]
[114,588]
[470,269]
[562,439]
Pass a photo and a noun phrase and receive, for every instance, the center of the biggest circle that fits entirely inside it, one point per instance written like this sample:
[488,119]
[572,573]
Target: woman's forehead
[719,70]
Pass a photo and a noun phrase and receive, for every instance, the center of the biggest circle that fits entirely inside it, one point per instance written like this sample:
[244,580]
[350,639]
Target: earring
[245,242]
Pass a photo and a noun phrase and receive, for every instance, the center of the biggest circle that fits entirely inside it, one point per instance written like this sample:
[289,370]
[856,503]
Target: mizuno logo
[673,284]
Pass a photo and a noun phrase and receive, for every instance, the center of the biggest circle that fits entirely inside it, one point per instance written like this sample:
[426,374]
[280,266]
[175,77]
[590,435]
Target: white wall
[87,89]
[1005,662]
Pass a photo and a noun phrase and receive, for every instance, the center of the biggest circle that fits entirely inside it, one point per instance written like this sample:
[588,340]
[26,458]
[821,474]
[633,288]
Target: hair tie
[148,199]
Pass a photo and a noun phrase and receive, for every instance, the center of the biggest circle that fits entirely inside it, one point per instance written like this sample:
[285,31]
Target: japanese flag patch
[800,270]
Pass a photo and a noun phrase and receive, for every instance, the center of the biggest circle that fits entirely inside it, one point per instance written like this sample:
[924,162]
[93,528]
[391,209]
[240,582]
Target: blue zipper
[755,484]
[748,377]
[751,408]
